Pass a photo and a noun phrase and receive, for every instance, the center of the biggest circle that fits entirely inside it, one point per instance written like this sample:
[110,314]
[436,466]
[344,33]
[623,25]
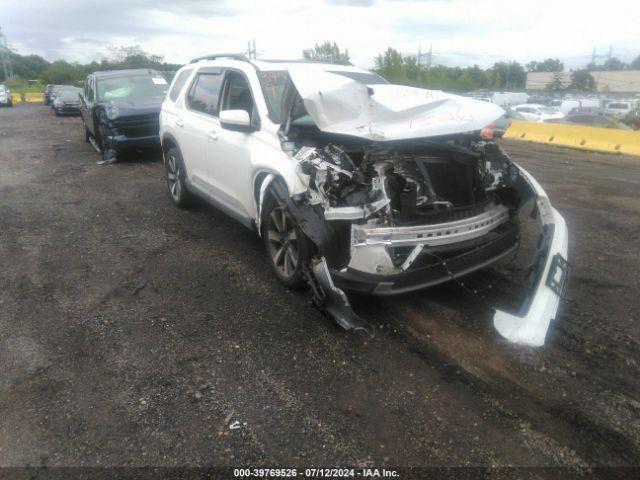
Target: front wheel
[287,246]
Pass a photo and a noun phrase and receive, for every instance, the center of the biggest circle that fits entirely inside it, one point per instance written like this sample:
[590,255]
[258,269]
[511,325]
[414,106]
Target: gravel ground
[133,333]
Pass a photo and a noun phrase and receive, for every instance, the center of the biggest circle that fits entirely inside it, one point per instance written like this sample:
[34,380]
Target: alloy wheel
[283,242]
[173,177]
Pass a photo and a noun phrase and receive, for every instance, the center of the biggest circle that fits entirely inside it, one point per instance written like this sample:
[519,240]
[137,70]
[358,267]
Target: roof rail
[235,56]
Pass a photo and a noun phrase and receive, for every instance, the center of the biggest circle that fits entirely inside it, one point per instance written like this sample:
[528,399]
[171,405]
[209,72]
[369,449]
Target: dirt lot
[134,333]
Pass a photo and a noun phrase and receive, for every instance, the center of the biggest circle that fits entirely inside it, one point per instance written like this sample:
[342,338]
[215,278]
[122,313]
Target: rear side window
[205,92]
[178,84]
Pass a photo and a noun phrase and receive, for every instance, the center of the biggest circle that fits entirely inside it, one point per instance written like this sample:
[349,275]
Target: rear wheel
[87,135]
[287,246]
[176,175]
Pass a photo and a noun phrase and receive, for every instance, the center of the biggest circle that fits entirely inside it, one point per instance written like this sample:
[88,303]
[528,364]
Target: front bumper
[435,265]
[530,324]
[67,110]
[121,143]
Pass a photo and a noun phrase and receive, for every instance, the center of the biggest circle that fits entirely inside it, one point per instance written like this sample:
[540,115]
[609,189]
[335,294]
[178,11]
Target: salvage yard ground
[134,333]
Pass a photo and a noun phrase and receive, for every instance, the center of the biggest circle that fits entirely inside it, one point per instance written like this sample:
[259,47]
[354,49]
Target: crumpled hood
[385,112]
[136,106]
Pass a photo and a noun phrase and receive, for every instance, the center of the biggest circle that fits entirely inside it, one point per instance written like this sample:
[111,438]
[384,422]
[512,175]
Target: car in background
[47,94]
[619,108]
[120,110]
[67,101]
[537,113]
[633,119]
[54,93]
[5,97]
[591,119]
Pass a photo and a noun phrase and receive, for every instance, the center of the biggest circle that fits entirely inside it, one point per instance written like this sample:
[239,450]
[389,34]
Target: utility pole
[4,57]
[429,57]
[251,49]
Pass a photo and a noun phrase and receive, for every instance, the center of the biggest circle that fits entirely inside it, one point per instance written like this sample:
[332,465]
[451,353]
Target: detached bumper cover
[529,326]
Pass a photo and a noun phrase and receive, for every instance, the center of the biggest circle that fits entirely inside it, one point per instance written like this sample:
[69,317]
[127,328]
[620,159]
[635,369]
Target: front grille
[138,125]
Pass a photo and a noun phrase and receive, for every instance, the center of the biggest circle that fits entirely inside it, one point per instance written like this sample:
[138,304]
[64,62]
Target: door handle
[213,135]
[179,122]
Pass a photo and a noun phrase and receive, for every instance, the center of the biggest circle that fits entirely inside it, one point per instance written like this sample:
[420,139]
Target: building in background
[618,82]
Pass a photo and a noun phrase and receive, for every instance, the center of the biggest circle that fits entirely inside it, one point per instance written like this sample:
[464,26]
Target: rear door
[200,125]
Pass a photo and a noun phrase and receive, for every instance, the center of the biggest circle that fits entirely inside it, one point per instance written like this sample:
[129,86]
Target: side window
[204,93]
[237,94]
[178,84]
[90,84]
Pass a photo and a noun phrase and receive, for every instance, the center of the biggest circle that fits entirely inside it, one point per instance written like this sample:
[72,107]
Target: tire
[108,154]
[176,175]
[87,135]
[287,247]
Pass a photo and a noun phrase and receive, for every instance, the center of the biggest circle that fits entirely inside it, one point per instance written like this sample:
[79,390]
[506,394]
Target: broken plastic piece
[335,301]
[529,326]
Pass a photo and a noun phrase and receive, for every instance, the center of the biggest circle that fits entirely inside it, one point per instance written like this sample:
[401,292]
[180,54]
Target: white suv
[355,184]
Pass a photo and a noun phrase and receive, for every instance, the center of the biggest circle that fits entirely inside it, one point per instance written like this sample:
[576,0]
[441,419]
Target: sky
[460,32]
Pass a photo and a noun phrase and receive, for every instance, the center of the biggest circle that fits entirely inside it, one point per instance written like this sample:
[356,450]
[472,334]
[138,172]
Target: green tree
[582,81]
[392,66]
[548,65]
[614,63]
[327,52]
[61,72]
[508,75]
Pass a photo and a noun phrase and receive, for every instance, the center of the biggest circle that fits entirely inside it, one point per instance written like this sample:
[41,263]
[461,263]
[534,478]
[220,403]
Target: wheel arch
[167,142]
[262,180]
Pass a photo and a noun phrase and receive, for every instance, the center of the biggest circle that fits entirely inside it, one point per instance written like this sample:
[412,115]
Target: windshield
[272,87]
[273,83]
[68,92]
[137,86]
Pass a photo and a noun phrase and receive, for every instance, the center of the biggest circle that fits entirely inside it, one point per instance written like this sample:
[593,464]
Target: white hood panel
[340,105]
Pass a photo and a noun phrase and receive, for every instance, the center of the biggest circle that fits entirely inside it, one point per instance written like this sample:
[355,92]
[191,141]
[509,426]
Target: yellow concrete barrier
[16,98]
[597,139]
[34,97]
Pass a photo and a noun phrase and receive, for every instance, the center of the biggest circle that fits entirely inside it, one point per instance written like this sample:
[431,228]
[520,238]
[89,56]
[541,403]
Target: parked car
[633,119]
[54,92]
[592,120]
[120,110]
[67,101]
[619,108]
[356,185]
[47,94]
[537,113]
[6,100]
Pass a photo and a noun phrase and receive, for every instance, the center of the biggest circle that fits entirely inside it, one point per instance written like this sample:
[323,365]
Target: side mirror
[237,120]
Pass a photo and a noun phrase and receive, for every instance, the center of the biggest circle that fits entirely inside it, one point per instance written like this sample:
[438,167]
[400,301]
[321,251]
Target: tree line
[32,72]
[392,65]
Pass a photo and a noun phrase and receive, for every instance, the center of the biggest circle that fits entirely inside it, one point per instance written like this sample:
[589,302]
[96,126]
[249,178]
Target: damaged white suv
[355,184]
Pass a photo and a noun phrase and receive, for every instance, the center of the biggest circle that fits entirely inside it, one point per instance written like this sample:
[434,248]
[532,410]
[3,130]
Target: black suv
[120,110]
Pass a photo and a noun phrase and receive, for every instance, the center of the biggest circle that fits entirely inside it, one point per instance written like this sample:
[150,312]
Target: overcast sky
[462,32]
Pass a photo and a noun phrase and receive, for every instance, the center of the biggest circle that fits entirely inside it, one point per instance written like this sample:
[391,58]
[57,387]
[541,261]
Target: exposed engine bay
[391,207]
[399,196]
